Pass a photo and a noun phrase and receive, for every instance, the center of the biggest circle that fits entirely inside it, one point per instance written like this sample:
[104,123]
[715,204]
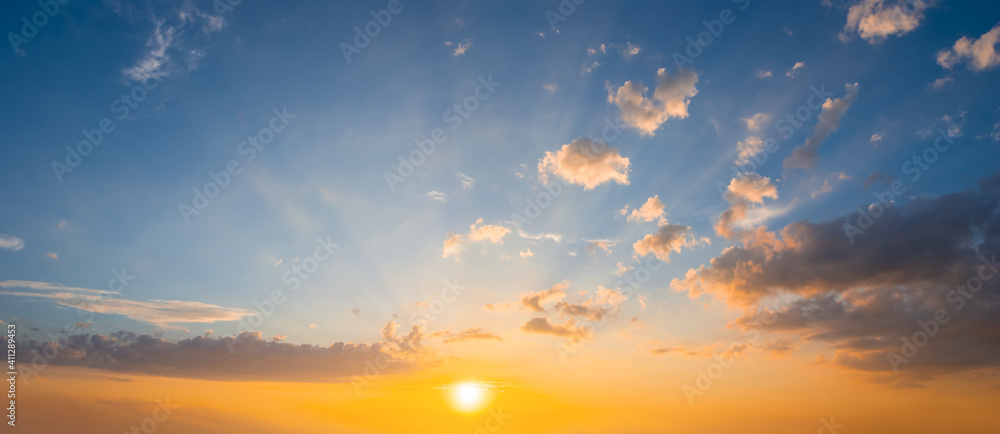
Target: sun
[469,397]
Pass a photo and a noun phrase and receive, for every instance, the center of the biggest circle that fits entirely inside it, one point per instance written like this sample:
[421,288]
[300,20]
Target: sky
[559,216]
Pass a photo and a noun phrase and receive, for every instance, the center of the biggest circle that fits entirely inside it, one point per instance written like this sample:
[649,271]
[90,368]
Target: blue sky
[323,176]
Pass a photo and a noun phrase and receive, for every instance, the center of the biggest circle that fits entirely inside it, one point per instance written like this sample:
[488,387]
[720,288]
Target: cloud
[355,312]
[551,87]
[460,47]
[175,45]
[825,188]
[453,246]
[743,191]
[670,99]
[805,156]
[621,269]
[795,69]
[649,211]
[978,54]
[526,253]
[569,329]
[876,20]
[542,236]
[436,196]
[53,256]
[251,359]
[166,314]
[534,301]
[491,233]
[757,121]
[670,238]
[748,148]
[466,180]
[808,258]
[10,242]
[469,334]
[764,74]
[585,162]
[606,245]
[876,138]
[939,83]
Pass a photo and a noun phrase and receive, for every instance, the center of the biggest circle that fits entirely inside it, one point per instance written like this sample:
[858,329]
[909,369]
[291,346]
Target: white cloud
[876,138]
[979,54]
[763,74]
[795,69]
[585,162]
[527,253]
[551,87]
[175,46]
[436,196]
[10,242]
[670,99]
[163,313]
[466,180]
[876,20]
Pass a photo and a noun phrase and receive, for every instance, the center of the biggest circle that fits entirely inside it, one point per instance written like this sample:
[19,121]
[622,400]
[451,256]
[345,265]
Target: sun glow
[469,397]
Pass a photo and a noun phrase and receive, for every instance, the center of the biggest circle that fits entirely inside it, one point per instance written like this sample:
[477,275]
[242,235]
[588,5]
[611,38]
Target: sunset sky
[555,217]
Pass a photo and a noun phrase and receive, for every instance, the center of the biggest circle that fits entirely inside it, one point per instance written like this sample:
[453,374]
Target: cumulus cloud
[670,99]
[649,211]
[533,301]
[764,74]
[670,238]
[876,20]
[10,242]
[453,246]
[742,192]
[166,314]
[978,54]
[585,162]
[805,156]
[247,357]
[491,233]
